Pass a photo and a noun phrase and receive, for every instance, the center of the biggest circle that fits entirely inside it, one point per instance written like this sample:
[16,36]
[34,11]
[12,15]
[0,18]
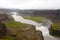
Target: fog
[30,4]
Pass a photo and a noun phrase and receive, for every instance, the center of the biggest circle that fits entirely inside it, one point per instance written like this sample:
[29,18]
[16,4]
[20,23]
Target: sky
[30,4]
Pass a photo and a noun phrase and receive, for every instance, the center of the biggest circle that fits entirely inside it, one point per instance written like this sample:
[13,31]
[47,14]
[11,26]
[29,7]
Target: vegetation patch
[14,27]
[38,19]
[55,29]
[56,26]
[13,24]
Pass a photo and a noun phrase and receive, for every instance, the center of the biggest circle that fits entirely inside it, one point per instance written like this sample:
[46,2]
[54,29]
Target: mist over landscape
[30,4]
[29,19]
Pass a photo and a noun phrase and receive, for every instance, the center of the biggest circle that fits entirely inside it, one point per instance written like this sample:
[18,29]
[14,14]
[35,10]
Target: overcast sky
[30,4]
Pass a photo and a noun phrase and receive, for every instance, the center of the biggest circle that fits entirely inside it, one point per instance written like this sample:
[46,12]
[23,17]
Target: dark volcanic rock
[3,30]
[4,17]
[54,32]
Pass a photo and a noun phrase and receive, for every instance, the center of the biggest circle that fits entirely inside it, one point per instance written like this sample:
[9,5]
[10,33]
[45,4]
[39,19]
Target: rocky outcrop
[3,29]
[29,34]
[39,35]
[25,33]
[11,32]
[54,32]
[4,17]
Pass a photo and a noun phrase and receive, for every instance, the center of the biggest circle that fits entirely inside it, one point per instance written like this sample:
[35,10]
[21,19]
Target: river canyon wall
[53,15]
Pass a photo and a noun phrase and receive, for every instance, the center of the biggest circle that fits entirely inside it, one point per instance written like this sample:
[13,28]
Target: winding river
[39,26]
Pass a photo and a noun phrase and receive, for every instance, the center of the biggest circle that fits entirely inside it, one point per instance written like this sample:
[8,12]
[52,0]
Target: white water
[39,26]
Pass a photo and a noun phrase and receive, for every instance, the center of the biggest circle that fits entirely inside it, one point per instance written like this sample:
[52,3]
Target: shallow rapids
[39,26]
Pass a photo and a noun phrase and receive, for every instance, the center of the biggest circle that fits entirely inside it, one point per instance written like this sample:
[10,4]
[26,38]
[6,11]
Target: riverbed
[39,26]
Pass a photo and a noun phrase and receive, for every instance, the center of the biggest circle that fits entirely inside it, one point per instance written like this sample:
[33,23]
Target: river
[39,26]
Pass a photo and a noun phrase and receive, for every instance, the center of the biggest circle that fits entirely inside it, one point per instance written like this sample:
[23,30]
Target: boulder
[29,34]
[3,29]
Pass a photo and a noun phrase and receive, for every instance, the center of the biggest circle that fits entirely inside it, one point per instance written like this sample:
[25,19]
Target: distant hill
[8,10]
[50,14]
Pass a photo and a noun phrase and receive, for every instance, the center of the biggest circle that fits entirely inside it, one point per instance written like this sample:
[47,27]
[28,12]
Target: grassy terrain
[56,26]
[14,25]
[17,26]
[55,29]
[38,19]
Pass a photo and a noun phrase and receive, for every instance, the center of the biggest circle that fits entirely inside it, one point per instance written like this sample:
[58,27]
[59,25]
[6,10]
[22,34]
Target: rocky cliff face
[50,14]
[54,15]
[29,34]
[22,33]
[3,29]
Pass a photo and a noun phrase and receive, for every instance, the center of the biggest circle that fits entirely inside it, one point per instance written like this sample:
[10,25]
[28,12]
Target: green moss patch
[38,19]
[55,29]
[56,26]
[13,24]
